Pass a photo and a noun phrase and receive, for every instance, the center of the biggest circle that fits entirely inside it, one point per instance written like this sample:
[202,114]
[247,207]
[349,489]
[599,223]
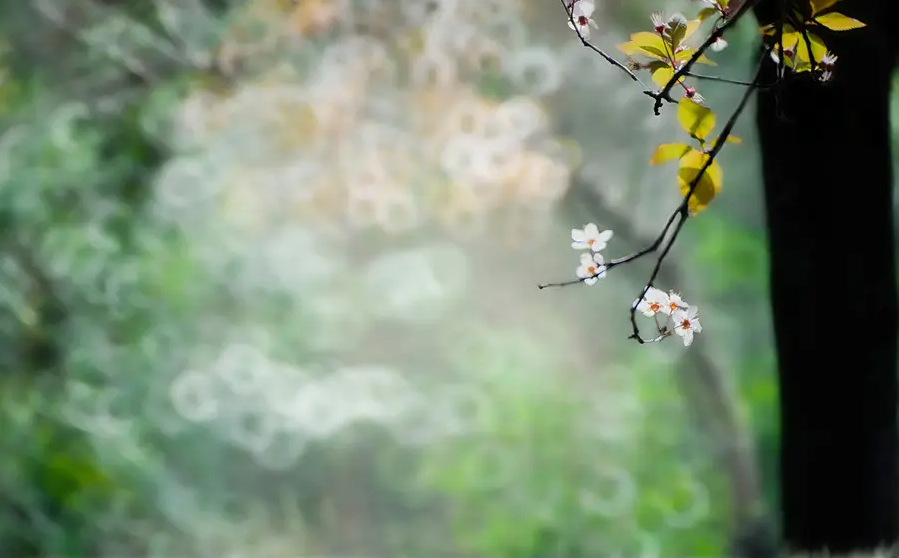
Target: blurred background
[269,280]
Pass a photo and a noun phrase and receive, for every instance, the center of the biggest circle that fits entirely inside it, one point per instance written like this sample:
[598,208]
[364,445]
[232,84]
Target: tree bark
[826,159]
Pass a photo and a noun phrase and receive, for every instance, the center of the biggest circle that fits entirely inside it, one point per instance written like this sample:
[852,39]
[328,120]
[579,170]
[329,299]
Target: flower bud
[658,23]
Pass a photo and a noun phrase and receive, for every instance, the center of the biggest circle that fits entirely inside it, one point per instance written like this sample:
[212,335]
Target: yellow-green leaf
[630,48]
[683,31]
[790,37]
[669,152]
[788,60]
[707,186]
[692,26]
[650,44]
[695,119]
[729,139]
[706,13]
[677,31]
[688,53]
[838,22]
[819,6]
[819,49]
[662,75]
[703,59]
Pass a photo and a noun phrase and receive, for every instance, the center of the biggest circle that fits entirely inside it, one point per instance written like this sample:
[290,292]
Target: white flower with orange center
[592,268]
[654,301]
[590,238]
[686,323]
[675,303]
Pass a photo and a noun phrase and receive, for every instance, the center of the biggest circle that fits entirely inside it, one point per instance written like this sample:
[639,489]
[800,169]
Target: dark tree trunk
[828,192]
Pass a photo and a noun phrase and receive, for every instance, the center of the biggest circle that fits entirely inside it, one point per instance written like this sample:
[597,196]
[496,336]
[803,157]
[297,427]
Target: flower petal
[658,295]
[678,301]
[591,230]
[590,280]
[688,337]
[643,308]
[587,7]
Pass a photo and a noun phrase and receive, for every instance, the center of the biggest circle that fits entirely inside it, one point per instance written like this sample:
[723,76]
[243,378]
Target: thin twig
[569,9]
[728,80]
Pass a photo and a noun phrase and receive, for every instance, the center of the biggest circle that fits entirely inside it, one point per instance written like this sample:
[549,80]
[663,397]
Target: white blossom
[828,61]
[653,302]
[592,268]
[719,44]
[590,237]
[581,13]
[675,303]
[686,323]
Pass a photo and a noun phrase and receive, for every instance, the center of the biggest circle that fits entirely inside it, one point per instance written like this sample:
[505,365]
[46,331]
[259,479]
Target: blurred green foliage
[96,291]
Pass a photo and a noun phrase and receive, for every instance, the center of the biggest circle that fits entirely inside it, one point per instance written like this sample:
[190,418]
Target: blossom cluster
[590,238]
[680,318]
[683,317]
[793,44]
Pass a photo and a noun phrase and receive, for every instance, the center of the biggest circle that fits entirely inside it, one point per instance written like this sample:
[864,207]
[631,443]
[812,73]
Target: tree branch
[665,93]
[676,219]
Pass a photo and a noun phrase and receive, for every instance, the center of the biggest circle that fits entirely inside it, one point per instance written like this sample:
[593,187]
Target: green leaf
[695,119]
[708,185]
[838,22]
[669,152]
